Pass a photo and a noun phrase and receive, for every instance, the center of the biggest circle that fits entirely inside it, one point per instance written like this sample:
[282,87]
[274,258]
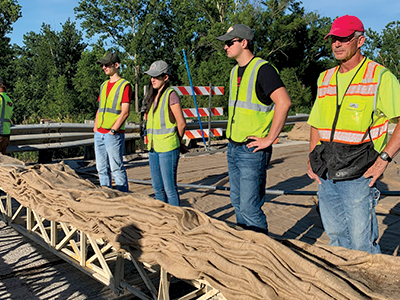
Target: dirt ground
[288,216]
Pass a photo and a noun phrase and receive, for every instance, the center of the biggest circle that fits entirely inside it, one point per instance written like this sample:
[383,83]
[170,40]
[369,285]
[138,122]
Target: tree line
[54,74]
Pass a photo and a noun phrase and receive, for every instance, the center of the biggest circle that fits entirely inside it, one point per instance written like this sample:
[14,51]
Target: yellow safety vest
[357,111]
[162,134]
[247,115]
[110,106]
[6,107]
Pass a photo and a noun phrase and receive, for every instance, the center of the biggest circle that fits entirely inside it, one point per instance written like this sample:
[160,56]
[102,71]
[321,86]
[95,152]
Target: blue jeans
[163,170]
[108,150]
[247,180]
[348,213]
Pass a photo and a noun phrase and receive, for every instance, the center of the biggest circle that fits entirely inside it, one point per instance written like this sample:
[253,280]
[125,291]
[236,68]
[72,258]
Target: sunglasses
[343,40]
[159,77]
[231,42]
[107,65]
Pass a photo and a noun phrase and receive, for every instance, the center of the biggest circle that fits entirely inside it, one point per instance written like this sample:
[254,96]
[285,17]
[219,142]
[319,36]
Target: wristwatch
[113,131]
[384,156]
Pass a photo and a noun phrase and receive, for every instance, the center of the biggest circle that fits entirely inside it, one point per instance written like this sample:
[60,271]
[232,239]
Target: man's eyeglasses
[107,65]
[231,42]
[342,40]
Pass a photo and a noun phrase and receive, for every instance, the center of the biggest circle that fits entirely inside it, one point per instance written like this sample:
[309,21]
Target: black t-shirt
[268,80]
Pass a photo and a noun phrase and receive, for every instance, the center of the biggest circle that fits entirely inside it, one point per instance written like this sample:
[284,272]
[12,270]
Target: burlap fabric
[191,245]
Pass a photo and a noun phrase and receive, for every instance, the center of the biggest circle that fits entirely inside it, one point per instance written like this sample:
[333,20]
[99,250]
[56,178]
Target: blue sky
[374,14]
[37,12]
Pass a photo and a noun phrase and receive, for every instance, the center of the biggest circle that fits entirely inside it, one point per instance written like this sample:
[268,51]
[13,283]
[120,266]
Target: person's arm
[176,110]
[282,104]
[392,148]
[122,117]
[314,139]
[95,121]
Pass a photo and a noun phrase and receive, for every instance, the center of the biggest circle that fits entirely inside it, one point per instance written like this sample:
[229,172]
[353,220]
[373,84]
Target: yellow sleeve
[388,101]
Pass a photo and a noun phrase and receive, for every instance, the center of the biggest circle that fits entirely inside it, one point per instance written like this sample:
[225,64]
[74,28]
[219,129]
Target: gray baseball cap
[158,68]
[237,31]
[109,58]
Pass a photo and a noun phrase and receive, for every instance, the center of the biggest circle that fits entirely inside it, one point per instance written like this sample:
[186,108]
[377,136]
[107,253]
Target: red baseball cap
[345,26]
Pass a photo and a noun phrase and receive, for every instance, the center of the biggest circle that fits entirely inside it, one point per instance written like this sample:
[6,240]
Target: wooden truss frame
[96,257]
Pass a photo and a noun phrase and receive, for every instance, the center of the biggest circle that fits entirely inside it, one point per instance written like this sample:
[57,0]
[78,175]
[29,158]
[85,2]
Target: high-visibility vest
[356,111]
[6,107]
[110,106]
[162,134]
[247,115]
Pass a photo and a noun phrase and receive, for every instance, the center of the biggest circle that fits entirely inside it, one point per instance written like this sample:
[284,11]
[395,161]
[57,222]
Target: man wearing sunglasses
[258,107]
[109,126]
[348,140]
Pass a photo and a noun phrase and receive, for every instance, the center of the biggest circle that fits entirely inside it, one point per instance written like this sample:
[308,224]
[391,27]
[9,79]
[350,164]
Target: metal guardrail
[58,135]
[63,135]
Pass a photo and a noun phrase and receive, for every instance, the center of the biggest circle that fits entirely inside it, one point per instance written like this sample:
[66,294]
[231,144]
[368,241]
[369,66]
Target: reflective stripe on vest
[110,106]
[248,104]
[354,137]
[366,88]
[363,89]
[163,128]
[243,103]
[164,137]
[6,111]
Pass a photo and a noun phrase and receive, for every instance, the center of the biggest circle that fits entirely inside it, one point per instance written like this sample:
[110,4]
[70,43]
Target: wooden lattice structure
[96,257]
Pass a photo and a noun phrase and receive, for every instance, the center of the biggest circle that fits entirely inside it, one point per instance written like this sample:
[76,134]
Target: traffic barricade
[202,112]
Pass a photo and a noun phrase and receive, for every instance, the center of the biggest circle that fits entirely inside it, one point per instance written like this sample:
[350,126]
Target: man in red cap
[348,140]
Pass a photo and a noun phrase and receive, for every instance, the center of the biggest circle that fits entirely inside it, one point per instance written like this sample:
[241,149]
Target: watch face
[385,156]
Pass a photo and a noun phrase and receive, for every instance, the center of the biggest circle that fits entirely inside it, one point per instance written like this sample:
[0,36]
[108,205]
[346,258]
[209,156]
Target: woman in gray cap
[165,129]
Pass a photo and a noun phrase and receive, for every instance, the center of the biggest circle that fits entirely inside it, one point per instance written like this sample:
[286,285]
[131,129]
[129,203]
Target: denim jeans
[348,213]
[163,170]
[108,150]
[247,180]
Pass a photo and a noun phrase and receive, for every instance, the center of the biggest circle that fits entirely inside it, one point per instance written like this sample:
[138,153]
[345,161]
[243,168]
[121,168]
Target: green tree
[45,68]
[384,48]
[87,80]
[10,12]
[292,41]
[121,23]
[150,30]
[197,23]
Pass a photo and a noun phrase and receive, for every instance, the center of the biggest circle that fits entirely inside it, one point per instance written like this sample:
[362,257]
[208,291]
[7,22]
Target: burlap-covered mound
[190,245]
[300,132]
